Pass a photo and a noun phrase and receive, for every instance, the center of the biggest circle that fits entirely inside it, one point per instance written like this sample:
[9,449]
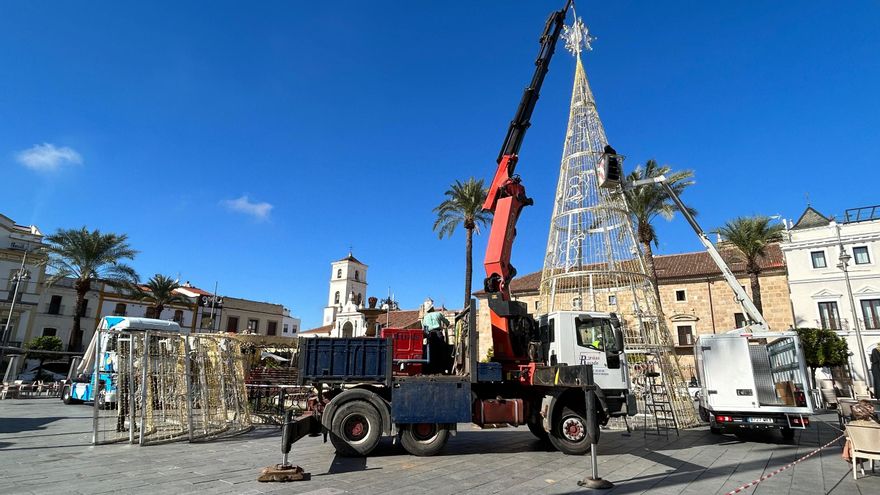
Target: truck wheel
[67,397]
[569,434]
[714,430]
[787,433]
[356,429]
[538,430]
[704,414]
[423,439]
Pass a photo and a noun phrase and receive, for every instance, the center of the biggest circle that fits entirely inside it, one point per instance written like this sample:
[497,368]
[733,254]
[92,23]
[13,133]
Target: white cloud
[47,157]
[260,211]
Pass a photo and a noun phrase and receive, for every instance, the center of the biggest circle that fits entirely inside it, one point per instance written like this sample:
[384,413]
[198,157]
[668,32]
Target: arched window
[360,297]
[339,273]
[357,275]
[348,330]
[178,316]
[336,298]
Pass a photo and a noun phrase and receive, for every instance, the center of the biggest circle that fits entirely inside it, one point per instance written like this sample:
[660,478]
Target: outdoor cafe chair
[844,411]
[865,445]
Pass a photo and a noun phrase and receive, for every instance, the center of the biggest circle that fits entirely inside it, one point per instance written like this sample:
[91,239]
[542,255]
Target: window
[152,312]
[680,295]
[357,275]
[595,333]
[339,273]
[828,316]
[537,305]
[871,313]
[85,308]
[55,306]
[285,329]
[178,316]
[232,324]
[272,328]
[336,298]
[253,326]
[612,300]
[119,310]
[685,335]
[359,298]
[739,320]
[818,258]
[861,255]
[50,332]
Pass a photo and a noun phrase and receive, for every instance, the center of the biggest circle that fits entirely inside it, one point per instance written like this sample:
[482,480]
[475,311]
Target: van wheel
[356,429]
[787,433]
[67,397]
[423,439]
[569,434]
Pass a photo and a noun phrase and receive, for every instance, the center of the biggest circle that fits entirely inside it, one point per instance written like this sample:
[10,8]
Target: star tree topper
[577,37]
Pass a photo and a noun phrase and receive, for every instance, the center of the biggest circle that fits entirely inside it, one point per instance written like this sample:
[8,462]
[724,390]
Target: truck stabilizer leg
[292,430]
[594,481]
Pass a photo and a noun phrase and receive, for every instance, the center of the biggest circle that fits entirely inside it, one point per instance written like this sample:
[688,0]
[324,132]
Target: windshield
[595,333]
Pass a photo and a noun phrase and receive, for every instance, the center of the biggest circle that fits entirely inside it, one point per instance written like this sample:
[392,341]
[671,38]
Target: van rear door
[727,373]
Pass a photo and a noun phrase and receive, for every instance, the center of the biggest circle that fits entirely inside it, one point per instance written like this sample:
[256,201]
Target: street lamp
[844,259]
[21,275]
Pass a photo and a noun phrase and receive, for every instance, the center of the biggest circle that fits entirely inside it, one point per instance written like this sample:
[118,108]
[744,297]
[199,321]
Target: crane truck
[751,378]
[371,387]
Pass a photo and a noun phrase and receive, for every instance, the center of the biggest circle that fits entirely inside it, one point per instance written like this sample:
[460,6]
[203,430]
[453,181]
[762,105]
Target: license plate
[760,420]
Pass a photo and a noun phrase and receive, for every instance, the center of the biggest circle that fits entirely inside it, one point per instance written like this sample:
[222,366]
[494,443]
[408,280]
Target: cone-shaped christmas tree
[593,261]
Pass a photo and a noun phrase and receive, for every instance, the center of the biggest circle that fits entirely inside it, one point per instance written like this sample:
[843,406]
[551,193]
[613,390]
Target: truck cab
[594,338]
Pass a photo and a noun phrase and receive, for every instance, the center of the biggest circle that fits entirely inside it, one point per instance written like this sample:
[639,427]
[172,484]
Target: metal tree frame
[593,261]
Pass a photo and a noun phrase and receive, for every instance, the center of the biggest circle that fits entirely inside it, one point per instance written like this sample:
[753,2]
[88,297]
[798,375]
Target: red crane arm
[506,198]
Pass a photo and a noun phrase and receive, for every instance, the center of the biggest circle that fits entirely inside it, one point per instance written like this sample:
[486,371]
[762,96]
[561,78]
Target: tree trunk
[468,266]
[652,272]
[159,309]
[82,287]
[756,290]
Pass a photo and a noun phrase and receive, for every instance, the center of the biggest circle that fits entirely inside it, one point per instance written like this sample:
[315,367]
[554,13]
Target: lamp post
[844,259]
[21,275]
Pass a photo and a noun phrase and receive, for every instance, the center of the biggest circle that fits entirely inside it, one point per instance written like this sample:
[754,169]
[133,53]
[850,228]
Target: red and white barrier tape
[783,468]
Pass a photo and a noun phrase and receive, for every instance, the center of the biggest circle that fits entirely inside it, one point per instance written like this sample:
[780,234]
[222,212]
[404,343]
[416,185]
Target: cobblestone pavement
[44,448]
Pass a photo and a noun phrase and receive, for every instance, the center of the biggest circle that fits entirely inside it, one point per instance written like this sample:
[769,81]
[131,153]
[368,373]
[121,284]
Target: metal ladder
[657,404]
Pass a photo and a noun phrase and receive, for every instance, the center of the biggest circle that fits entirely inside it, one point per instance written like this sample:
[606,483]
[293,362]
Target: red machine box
[406,345]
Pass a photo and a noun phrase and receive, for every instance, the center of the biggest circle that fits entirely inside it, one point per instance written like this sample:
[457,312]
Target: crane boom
[505,198]
[749,309]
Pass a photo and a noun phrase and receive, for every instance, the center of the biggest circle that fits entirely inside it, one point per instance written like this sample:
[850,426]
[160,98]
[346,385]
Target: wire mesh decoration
[593,261]
[156,387]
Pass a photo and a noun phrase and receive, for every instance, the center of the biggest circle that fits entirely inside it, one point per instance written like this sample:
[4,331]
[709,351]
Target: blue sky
[252,143]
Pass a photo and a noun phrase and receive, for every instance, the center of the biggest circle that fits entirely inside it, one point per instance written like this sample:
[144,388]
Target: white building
[17,243]
[819,295]
[347,276]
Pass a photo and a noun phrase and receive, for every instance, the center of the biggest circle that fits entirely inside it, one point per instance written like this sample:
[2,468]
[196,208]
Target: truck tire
[569,434]
[423,439]
[538,430]
[356,429]
[704,414]
[67,396]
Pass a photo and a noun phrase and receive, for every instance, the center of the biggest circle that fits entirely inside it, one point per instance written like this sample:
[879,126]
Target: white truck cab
[595,338]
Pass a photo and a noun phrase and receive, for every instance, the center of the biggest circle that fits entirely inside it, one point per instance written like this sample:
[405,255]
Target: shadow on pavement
[18,425]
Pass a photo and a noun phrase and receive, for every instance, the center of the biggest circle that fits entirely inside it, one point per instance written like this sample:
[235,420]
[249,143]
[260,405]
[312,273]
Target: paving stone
[45,449]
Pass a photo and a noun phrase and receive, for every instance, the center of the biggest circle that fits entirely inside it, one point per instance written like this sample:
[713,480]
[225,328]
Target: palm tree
[646,202]
[751,236]
[159,292]
[89,256]
[463,205]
